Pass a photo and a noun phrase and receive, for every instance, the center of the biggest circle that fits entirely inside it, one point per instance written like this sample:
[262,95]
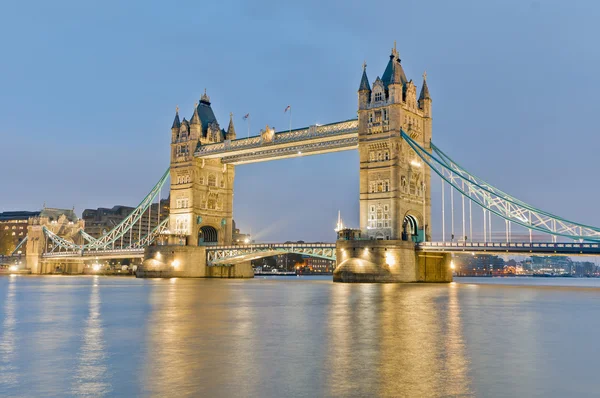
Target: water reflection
[396,340]
[91,377]
[9,372]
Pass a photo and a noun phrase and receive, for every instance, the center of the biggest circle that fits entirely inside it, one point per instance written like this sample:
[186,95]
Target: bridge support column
[388,261]
[176,261]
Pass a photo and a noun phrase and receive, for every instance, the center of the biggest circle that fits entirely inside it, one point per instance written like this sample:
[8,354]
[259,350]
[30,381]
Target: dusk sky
[88,92]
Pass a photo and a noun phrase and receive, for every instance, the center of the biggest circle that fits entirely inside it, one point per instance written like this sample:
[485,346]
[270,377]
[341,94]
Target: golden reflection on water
[9,373]
[276,338]
[398,341]
[91,377]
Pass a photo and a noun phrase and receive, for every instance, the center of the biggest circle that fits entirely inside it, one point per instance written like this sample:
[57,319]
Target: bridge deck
[591,249]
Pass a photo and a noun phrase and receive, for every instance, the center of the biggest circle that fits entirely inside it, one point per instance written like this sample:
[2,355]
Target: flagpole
[248,126]
[290,119]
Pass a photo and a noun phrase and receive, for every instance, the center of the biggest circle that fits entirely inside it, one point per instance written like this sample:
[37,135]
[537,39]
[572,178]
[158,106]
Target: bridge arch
[410,228]
[208,235]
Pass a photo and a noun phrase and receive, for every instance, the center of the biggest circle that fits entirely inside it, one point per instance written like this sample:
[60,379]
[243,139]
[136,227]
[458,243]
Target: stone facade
[395,201]
[201,189]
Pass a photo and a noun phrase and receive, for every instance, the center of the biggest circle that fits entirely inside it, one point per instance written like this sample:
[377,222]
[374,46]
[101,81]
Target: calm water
[276,337]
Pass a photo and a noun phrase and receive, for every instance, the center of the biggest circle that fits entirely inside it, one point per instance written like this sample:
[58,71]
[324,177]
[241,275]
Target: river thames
[298,337]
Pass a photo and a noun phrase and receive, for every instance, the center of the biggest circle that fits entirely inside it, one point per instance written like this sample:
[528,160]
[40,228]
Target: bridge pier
[177,261]
[393,261]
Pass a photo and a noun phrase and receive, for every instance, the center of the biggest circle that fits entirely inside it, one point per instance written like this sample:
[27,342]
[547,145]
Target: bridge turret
[176,125]
[195,124]
[425,98]
[230,129]
[364,90]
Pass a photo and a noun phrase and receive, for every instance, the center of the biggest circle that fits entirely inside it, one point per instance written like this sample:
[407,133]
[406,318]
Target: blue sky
[88,92]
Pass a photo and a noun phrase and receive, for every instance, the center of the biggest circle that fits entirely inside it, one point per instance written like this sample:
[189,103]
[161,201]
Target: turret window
[212,180]
[379,96]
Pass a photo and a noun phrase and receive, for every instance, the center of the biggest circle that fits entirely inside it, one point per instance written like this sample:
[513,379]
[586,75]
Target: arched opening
[410,228]
[207,236]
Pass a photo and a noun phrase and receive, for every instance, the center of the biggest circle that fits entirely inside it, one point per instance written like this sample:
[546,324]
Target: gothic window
[188,179]
[386,155]
[386,186]
[385,114]
[181,225]
[379,186]
[379,156]
[377,116]
[372,209]
[370,117]
[212,180]
[378,96]
[211,204]
[371,156]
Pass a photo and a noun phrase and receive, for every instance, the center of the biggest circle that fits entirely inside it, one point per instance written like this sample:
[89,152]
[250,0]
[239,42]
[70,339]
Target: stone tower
[201,190]
[395,201]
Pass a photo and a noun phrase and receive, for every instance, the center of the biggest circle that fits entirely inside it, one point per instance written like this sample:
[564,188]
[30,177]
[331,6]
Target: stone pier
[176,261]
[388,261]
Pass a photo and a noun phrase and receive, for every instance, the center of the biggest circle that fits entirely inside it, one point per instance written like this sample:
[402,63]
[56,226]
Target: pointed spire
[394,73]
[364,81]
[231,130]
[195,118]
[176,122]
[424,90]
[205,98]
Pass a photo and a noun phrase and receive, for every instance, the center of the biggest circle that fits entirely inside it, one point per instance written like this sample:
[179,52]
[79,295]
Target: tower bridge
[393,136]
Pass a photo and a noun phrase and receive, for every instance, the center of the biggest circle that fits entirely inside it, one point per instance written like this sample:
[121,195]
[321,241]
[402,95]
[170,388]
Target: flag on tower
[287,108]
[246,116]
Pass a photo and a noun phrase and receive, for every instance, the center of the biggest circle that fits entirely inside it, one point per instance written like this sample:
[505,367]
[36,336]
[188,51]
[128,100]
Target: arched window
[386,155]
[386,186]
[212,180]
[379,157]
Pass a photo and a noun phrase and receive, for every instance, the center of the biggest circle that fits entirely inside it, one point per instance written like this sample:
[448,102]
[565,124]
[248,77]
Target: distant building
[13,226]
[239,238]
[318,265]
[100,221]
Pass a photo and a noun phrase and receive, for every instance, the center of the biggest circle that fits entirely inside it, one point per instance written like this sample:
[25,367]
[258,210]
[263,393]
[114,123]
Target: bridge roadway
[240,253]
[559,248]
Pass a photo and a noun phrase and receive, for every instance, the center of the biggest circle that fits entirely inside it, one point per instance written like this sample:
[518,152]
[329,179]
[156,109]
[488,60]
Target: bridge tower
[395,199]
[201,189]
[395,202]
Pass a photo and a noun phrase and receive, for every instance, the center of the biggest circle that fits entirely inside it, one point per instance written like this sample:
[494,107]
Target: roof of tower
[424,91]
[176,122]
[185,122]
[394,73]
[364,81]
[230,128]
[206,115]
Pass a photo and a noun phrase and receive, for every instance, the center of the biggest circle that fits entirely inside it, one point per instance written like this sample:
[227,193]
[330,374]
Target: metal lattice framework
[309,140]
[498,202]
[108,240]
[21,243]
[148,239]
[221,254]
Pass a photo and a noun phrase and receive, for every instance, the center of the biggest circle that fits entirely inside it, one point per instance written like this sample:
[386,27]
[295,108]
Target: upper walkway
[312,140]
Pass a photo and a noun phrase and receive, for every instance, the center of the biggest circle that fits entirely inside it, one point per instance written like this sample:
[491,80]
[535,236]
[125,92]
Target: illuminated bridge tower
[201,189]
[395,201]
